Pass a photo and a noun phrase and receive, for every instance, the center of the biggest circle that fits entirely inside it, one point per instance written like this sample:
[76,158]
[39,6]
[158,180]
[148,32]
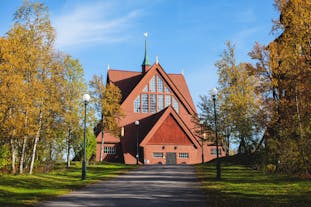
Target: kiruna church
[157,127]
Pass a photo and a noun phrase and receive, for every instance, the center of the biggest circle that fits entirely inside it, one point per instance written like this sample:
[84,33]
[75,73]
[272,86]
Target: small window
[175,105]
[158,154]
[110,150]
[167,100]
[153,103]
[167,90]
[214,151]
[160,102]
[153,84]
[137,104]
[183,155]
[145,89]
[145,103]
[160,84]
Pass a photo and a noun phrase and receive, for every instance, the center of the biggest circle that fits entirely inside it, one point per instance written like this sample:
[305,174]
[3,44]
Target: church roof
[127,80]
[124,80]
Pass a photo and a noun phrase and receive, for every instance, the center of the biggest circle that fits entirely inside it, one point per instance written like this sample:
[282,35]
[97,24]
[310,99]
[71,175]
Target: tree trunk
[13,156]
[102,141]
[68,148]
[36,143]
[21,161]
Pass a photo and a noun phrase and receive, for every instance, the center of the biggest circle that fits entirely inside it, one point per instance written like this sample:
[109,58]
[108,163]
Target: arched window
[155,96]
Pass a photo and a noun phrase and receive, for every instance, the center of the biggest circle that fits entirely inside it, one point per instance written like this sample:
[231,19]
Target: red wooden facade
[163,106]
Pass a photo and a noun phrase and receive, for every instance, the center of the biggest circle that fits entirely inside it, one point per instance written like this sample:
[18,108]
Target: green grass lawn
[26,190]
[242,186]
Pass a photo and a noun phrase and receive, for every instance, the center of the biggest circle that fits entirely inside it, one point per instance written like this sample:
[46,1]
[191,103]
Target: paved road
[147,186]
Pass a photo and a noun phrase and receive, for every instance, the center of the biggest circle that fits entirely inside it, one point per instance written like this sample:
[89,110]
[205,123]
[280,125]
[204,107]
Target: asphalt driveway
[146,186]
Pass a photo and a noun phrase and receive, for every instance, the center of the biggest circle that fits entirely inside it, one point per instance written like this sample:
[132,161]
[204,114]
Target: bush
[270,168]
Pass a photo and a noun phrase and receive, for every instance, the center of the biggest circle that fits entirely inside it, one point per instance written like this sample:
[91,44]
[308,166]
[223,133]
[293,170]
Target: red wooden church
[157,126]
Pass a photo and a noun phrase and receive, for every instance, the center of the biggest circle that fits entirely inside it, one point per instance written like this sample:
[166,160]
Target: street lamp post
[86,99]
[218,175]
[203,140]
[137,153]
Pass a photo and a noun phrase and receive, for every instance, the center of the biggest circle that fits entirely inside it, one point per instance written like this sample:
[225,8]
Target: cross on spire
[145,66]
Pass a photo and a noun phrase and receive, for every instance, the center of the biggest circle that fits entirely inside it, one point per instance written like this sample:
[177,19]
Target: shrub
[270,168]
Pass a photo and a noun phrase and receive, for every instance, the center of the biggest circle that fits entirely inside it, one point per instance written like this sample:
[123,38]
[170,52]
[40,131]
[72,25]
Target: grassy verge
[26,190]
[242,186]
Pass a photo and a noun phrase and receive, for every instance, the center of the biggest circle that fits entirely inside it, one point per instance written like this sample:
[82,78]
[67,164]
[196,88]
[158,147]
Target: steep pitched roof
[124,80]
[158,121]
[180,82]
[128,81]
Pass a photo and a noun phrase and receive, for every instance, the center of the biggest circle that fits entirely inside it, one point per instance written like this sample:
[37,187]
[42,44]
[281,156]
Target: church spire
[145,66]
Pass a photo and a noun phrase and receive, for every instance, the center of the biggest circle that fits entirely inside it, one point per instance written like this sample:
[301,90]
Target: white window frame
[183,155]
[158,154]
[110,150]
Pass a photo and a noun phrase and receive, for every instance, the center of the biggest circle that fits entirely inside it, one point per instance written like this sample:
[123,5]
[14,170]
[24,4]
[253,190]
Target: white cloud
[241,38]
[92,24]
[246,16]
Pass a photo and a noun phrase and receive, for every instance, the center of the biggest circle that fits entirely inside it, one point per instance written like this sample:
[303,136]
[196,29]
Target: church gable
[170,133]
[155,96]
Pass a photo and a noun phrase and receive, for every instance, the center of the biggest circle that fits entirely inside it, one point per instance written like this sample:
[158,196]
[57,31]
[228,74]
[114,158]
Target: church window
[154,97]
[160,84]
[153,84]
[137,104]
[167,90]
[167,100]
[160,102]
[145,103]
[175,105]
[153,103]
[145,89]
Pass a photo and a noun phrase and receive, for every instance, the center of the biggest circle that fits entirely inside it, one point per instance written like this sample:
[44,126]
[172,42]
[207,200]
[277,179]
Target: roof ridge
[120,70]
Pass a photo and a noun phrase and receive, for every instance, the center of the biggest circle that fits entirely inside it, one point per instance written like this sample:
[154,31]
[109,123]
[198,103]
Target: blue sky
[187,35]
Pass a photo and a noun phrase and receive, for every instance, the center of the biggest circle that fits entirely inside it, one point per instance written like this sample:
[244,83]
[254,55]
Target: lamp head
[86,98]
[137,123]
[214,93]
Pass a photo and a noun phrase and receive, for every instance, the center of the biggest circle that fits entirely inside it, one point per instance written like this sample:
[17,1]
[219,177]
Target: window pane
[137,104]
[167,90]
[167,100]
[183,155]
[175,105]
[160,84]
[145,89]
[145,103]
[153,84]
[158,154]
[153,103]
[160,102]
[110,150]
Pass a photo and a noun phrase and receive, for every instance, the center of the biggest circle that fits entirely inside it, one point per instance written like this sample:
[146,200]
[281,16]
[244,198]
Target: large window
[155,96]
[110,150]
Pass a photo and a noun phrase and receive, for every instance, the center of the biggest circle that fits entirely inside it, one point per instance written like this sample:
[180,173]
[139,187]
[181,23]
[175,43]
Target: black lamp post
[203,139]
[137,153]
[218,175]
[86,99]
